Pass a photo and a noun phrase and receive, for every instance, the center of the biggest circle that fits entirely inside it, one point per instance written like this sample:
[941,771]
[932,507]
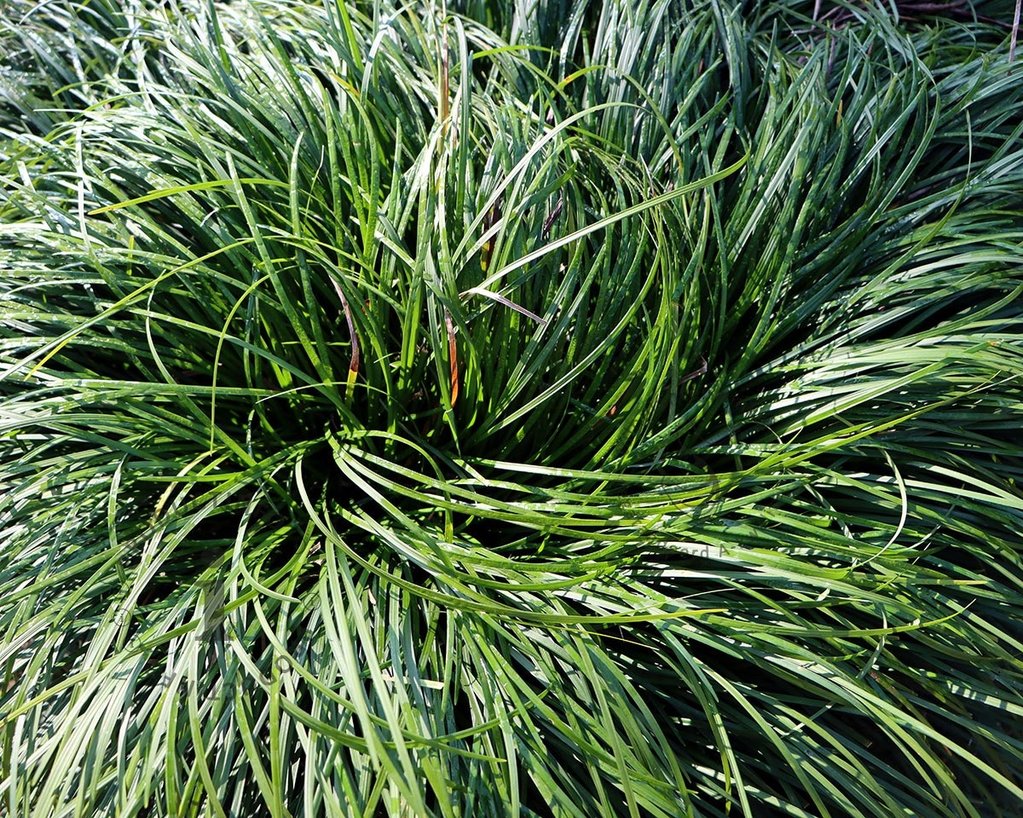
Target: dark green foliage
[546,409]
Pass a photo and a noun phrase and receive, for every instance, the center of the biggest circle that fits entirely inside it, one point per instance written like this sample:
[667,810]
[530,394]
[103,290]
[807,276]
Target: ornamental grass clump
[554,409]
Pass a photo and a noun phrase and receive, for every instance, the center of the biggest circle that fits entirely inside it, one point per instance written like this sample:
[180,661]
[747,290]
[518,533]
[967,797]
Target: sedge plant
[564,408]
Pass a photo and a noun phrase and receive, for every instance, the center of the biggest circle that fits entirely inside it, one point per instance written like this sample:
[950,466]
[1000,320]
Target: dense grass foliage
[559,408]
